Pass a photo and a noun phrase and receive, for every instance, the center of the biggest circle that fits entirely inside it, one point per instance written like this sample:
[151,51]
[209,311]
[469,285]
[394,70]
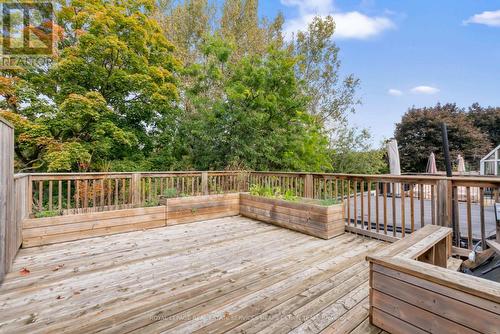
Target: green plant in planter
[151,203]
[47,213]
[170,193]
[270,192]
[289,196]
[329,202]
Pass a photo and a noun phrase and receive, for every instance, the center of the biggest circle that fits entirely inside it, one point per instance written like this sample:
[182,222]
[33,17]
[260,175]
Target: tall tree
[332,97]
[259,122]
[487,120]
[110,86]
[419,135]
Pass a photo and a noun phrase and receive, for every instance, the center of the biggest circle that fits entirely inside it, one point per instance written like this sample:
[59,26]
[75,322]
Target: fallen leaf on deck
[59,266]
[24,272]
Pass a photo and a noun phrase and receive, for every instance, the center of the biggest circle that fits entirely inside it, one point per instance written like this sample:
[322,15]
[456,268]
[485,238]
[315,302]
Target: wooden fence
[8,228]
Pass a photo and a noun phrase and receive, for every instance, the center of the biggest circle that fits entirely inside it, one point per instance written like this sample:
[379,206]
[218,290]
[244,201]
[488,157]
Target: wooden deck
[226,275]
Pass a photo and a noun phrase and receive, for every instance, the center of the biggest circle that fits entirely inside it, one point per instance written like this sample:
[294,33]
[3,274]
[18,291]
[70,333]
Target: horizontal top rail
[146,172]
[464,179]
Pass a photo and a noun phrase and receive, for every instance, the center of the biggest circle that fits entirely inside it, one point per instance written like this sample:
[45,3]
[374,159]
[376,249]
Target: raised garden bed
[183,210]
[306,216]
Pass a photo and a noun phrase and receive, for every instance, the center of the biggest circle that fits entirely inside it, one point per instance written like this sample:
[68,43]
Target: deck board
[226,275]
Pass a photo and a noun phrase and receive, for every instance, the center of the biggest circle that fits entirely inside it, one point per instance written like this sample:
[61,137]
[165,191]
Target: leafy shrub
[170,193]
[151,203]
[329,201]
[47,213]
[270,192]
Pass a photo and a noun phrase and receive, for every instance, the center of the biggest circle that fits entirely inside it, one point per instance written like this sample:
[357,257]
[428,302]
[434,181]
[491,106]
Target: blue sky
[409,52]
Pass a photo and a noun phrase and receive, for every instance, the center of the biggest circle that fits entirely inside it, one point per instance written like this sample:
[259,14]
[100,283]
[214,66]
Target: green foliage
[328,202]
[151,203]
[167,85]
[351,154]
[272,192]
[487,120]
[170,193]
[419,135]
[260,120]
[47,214]
[287,195]
[113,81]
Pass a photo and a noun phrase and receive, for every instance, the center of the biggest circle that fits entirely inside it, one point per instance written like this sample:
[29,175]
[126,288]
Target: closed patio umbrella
[461,164]
[431,165]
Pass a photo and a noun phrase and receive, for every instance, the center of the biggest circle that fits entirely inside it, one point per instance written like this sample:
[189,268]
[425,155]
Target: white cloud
[360,26]
[489,18]
[394,92]
[353,25]
[428,90]
[319,7]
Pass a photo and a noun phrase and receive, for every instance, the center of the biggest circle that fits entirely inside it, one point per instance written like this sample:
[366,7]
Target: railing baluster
[102,193]
[94,195]
[77,195]
[40,195]
[403,210]
[349,202]
[85,194]
[385,208]
[394,218]
[68,199]
[377,219]
[369,226]
[59,195]
[433,205]
[124,191]
[422,204]
[469,218]
[481,217]
[109,192]
[116,192]
[355,203]
[362,194]
[412,208]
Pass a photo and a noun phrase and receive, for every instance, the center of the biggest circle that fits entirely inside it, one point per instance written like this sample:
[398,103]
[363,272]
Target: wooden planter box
[412,291]
[183,210]
[324,222]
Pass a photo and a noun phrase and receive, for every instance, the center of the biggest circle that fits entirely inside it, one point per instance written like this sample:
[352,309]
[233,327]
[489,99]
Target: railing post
[30,196]
[204,183]
[135,188]
[308,186]
[444,203]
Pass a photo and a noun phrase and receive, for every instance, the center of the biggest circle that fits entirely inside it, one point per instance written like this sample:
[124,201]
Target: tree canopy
[192,84]
[470,134]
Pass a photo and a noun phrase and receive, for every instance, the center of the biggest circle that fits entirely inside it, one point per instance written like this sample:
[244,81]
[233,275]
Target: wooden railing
[71,193]
[384,205]
[413,289]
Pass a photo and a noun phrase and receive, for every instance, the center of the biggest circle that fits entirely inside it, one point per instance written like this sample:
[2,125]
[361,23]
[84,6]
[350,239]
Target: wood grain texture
[185,210]
[319,221]
[410,287]
[8,225]
[226,275]
[45,231]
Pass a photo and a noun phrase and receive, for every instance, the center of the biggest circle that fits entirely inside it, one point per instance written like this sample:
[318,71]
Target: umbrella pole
[447,161]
